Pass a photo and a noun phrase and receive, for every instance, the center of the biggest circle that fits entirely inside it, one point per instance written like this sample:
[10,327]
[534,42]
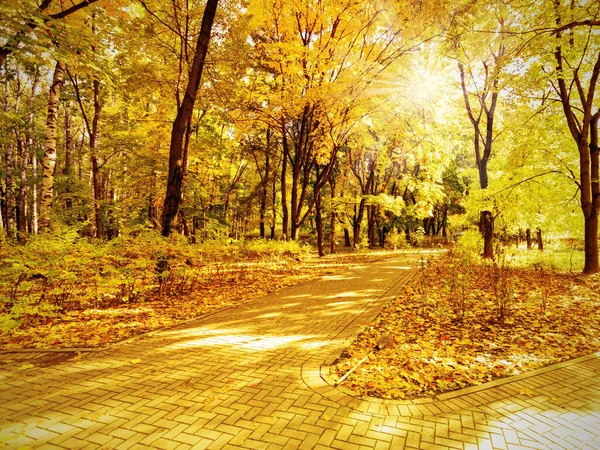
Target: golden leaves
[233,283]
[435,350]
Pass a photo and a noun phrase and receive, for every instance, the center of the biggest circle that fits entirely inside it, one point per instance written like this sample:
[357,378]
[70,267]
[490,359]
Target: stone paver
[256,376]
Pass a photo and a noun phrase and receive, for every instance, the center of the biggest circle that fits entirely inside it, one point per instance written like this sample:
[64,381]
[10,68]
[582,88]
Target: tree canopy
[357,123]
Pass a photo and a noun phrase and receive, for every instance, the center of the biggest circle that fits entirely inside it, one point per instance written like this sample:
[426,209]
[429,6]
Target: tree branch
[575,24]
[71,10]
[524,181]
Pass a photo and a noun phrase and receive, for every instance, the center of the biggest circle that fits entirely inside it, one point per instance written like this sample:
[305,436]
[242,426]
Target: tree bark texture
[184,114]
[49,160]
[319,224]
[67,170]
[9,206]
[263,198]
[487,224]
[21,213]
[96,182]
[584,130]
[284,206]
[332,218]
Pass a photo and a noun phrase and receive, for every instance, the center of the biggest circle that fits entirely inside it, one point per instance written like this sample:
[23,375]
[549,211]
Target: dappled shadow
[238,371]
[255,349]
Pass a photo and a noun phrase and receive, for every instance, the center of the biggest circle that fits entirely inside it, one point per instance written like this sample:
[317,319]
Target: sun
[423,81]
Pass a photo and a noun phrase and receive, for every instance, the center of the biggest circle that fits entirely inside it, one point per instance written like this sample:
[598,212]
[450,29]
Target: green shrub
[55,273]
[469,245]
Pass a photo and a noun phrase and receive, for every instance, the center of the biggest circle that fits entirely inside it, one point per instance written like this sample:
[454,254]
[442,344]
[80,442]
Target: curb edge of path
[317,376]
[182,323]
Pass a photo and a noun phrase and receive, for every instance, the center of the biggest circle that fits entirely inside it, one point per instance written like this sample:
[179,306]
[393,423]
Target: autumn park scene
[299,224]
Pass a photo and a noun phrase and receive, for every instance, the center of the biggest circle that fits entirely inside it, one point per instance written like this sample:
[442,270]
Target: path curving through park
[254,376]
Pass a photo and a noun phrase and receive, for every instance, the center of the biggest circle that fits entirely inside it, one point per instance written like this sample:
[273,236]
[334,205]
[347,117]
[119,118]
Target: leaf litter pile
[458,325]
[224,284]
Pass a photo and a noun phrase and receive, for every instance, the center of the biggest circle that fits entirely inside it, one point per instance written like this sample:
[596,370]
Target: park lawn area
[232,283]
[461,324]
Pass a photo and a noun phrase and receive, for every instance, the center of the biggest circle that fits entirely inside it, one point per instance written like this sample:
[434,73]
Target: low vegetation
[463,322]
[59,292]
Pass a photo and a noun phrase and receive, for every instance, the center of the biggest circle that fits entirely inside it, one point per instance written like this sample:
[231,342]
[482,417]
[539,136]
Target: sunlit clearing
[244,341]
[336,277]
[365,293]
[268,315]
[205,330]
[315,344]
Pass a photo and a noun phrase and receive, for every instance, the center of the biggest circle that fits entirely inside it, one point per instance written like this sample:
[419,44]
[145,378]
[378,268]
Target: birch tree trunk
[67,170]
[49,161]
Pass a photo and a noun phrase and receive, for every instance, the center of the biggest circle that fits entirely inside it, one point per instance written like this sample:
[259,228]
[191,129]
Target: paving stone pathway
[255,376]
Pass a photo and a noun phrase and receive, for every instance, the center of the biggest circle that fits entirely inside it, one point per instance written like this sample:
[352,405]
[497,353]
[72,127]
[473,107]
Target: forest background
[147,143]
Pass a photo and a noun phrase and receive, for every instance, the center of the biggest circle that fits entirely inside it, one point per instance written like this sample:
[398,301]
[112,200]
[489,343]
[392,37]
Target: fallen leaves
[232,284]
[440,344]
[527,392]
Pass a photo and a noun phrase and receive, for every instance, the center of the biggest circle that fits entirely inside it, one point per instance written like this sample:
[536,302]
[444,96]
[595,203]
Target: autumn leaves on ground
[59,295]
[460,322]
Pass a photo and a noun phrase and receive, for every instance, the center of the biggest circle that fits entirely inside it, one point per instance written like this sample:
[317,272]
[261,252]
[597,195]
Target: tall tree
[49,160]
[577,50]
[481,65]
[181,123]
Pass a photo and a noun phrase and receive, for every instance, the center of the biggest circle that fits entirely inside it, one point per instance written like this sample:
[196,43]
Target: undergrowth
[54,274]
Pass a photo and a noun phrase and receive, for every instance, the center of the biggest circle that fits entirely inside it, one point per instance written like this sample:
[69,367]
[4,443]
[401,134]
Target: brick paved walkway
[254,376]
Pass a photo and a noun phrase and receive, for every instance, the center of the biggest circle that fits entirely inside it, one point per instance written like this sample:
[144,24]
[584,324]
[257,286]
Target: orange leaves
[233,283]
[434,349]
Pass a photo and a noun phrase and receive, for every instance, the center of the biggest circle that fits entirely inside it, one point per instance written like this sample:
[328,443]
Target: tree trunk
[332,218]
[540,242]
[591,214]
[284,206]
[183,224]
[263,196]
[34,192]
[184,114]
[49,161]
[21,215]
[487,223]
[445,223]
[96,182]
[347,242]
[273,206]
[358,217]
[294,203]
[68,141]
[319,224]
[591,243]
[528,238]
[371,222]
[2,208]
[582,128]
[9,219]
[67,170]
